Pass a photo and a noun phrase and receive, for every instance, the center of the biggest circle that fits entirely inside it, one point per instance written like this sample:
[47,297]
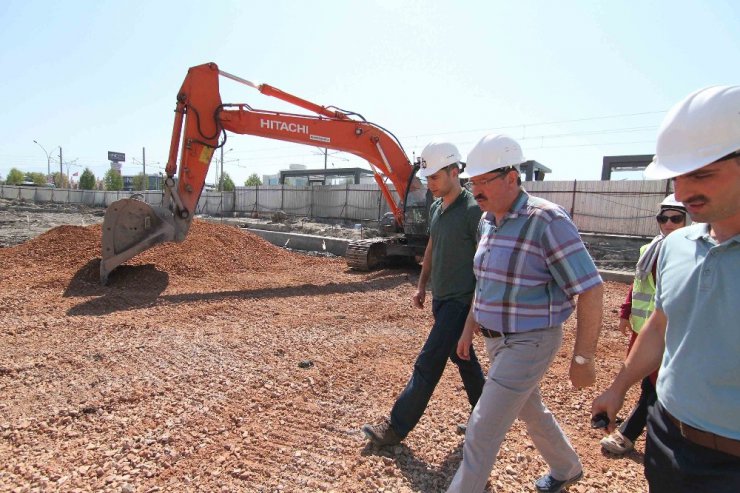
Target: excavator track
[366,255]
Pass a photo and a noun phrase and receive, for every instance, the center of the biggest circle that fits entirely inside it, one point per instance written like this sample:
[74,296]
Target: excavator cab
[416,213]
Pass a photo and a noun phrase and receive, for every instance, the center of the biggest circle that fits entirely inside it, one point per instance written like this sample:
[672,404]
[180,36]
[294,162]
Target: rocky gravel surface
[227,364]
[21,220]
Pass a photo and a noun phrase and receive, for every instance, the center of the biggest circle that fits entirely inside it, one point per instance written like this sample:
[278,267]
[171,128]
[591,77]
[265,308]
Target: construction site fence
[603,207]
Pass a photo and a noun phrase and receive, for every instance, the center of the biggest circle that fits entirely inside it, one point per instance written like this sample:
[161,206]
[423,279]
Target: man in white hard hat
[530,265]
[448,261]
[693,335]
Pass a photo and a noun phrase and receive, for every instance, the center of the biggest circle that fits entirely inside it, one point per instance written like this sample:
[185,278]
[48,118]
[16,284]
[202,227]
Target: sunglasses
[674,219]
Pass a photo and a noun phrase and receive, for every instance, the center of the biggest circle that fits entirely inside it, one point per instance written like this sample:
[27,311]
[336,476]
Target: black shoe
[461,429]
[382,434]
[548,484]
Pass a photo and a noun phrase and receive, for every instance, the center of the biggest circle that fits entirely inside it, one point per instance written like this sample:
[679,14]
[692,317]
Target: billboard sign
[117,157]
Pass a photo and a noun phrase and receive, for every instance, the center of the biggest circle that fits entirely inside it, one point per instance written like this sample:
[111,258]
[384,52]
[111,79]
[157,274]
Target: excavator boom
[131,226]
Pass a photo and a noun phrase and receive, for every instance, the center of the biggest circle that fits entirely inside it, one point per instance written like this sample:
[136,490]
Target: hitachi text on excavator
[131,226]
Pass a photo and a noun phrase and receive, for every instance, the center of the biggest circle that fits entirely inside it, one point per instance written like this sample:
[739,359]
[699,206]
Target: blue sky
[572,80]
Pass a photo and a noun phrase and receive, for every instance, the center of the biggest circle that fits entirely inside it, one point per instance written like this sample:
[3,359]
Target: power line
[23,160]
[538,124]
[521,125]
[596,144]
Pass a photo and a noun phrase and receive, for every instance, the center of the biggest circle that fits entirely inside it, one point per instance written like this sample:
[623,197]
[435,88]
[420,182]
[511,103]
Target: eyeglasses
[674,219]
[480,183]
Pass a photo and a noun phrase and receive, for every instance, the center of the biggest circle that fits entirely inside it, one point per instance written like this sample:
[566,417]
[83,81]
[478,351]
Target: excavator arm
[131,226]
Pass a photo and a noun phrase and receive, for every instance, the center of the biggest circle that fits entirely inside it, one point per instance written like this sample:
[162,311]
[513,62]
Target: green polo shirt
[454,234]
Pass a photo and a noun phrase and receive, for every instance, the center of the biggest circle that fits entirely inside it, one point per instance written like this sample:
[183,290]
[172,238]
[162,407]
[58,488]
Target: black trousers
[675,465]
[634,425]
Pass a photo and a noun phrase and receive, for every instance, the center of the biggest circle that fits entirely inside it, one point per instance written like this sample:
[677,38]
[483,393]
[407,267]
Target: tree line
[111,181]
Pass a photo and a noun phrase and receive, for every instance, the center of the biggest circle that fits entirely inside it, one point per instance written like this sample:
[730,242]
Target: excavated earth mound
[225,363]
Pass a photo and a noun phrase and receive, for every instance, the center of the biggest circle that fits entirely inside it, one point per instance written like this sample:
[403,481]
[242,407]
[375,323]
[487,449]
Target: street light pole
[221,179]
[48,161]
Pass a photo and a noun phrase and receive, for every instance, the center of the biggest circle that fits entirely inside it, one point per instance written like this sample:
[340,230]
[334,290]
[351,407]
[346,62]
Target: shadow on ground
[137,286]
[420,475]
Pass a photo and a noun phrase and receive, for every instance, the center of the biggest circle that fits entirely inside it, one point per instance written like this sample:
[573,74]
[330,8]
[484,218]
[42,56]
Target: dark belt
[492,334]
[705,438]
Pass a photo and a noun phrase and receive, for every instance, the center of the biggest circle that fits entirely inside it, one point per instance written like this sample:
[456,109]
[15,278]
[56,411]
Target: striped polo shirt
[529,268]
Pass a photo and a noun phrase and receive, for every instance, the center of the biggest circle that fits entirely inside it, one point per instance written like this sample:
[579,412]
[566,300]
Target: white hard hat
[436,156]
[698,131]
[493,152]
[670,202]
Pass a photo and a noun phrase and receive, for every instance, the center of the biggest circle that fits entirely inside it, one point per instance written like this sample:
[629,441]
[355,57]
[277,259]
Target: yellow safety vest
[643,299]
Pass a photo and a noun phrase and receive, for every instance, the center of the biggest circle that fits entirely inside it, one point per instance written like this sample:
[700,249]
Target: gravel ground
[22,220]
[227,364]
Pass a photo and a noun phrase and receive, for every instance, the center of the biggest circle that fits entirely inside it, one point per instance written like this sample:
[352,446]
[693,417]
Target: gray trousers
[518,362]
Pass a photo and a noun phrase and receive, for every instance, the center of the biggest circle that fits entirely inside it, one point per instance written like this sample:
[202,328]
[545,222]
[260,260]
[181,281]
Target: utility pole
[69,165]
[326,152]
[222,169]
[143,164]
[61,171]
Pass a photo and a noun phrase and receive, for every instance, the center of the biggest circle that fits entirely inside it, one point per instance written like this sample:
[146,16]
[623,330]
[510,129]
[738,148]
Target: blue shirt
[699,291]
[529,268]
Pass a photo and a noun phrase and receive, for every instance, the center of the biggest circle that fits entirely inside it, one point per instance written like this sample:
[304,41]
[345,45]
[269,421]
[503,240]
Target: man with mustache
[693,438]
[448,262]
[529,266]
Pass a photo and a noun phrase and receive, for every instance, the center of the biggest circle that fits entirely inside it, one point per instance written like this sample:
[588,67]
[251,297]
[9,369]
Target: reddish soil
[227,364]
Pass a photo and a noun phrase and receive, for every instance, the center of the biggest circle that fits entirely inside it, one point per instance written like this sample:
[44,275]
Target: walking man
[693,439]
[448,261]
[634,312]
[530,264]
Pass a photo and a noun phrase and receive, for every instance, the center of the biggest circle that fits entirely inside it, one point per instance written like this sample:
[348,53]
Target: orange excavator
[131,226]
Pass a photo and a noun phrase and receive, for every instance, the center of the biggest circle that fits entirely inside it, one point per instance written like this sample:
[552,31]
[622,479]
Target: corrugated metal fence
[352,202]
[611,207]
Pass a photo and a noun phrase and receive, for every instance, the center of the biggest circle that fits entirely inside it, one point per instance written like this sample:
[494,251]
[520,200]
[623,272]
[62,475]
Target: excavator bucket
[130,226]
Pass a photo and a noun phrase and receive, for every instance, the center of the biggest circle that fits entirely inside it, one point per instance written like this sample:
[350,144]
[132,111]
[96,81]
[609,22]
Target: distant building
[333,176]
[534,171]
[635,162]
[153,182]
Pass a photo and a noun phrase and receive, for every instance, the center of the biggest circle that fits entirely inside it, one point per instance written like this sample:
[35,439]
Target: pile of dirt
[225,363]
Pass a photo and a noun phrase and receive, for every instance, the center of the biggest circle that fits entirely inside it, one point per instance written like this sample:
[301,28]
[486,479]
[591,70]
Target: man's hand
[419,297]
[466,340]
[625,327]
[609,402]
[582,375]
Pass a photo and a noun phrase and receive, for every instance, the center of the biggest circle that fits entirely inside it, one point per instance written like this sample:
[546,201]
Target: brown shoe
[382,434]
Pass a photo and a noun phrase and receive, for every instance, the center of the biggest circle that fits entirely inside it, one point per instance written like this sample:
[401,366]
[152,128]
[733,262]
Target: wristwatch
[581,360]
